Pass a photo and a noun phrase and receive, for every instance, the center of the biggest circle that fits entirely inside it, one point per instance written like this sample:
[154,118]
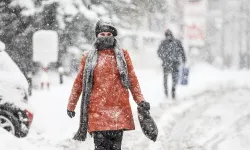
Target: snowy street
[204,117]
[214,122]
[184,63]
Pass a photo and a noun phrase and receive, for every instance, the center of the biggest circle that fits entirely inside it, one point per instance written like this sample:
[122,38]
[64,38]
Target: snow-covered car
[15,114]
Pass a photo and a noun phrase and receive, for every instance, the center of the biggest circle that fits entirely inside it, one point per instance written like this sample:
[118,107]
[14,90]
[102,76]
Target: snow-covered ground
[211,113]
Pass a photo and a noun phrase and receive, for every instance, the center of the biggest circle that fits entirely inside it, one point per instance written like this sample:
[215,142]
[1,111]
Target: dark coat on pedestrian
[171,51]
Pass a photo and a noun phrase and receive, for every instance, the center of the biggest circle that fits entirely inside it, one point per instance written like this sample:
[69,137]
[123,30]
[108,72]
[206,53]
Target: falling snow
[195,79]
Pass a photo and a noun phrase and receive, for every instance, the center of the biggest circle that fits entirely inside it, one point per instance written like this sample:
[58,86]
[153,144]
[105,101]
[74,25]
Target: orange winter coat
[109,107]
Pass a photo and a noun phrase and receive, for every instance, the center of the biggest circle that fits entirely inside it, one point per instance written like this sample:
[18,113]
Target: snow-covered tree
[15,27]
[74,21]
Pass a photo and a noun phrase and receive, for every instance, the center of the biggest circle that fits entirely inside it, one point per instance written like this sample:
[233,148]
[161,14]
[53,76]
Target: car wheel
[10,123]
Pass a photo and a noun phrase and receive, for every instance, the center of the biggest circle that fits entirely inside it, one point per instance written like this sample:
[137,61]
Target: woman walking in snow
[105,75]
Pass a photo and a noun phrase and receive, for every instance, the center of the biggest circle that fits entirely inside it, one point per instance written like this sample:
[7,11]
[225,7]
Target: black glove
[71,114]
[145,105]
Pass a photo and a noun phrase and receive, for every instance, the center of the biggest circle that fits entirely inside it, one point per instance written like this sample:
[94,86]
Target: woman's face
[103,34]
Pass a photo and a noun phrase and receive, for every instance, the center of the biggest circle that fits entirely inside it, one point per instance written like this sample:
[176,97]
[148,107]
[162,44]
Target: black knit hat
[168,33]
[105,26]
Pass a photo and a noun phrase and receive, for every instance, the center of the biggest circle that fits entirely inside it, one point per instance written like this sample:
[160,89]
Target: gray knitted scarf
[90,64]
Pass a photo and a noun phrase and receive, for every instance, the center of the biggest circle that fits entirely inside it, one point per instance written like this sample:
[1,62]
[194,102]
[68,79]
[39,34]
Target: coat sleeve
[134,83]
[182,53]
[160,50]
[77,86]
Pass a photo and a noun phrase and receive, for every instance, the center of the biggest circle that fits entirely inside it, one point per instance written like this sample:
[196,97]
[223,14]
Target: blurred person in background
[45,78]
[172,54]
[61,72]
[105,75]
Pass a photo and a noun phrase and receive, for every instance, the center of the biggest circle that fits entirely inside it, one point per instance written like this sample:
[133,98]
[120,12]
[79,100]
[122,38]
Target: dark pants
[108,140]
[171,68]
